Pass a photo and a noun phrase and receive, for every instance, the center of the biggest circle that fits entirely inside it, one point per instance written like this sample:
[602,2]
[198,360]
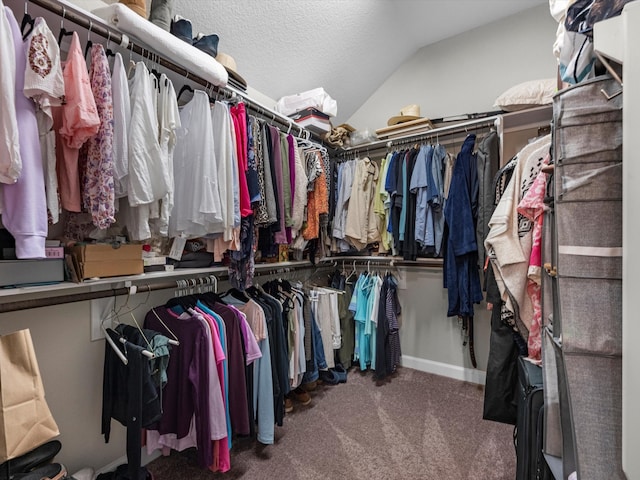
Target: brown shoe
[288,405]
[302,396]
[311,386]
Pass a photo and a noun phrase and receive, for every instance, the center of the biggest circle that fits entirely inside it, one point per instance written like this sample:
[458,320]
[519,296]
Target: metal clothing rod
[381,260]
[193,282]
[80,297]
[416,137]
[98,27]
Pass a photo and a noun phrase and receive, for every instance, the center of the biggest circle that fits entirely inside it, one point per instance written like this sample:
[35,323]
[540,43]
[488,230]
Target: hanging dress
[25,206]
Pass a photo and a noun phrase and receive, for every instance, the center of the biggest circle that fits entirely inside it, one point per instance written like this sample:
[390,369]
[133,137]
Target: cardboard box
[31,272]
[106,260]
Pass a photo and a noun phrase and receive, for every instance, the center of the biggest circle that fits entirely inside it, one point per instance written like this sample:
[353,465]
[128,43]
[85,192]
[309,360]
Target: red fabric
[239,117]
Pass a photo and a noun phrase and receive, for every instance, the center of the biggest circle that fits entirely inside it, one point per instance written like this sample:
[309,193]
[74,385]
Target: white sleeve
[10,160]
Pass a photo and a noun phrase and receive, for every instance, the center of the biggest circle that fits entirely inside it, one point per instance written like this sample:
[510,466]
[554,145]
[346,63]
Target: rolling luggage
[530,461]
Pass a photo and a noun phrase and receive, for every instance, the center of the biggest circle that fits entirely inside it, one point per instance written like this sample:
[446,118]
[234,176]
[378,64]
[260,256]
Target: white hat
[410,112]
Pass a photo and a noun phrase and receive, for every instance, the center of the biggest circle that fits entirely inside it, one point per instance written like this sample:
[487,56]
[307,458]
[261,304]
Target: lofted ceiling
[348,47]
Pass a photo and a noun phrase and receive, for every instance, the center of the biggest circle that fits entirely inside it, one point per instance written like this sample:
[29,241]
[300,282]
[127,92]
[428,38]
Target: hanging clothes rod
[98,27]
[378,260]
[81,297]
[192,282]
[448,130]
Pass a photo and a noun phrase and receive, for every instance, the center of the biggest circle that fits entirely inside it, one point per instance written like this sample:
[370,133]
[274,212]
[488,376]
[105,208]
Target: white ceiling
[349,47]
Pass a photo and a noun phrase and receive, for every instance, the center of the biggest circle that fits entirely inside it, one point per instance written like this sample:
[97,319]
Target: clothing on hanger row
[120,156]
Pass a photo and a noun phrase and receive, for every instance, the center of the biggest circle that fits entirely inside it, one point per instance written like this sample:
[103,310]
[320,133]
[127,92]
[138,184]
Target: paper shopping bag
[25,419]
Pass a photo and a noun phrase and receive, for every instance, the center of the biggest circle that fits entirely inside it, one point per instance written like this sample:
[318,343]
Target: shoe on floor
[311,386]
[84,474]
[288,405]
[25,463]
[52,471]
[340,371]
[302,396]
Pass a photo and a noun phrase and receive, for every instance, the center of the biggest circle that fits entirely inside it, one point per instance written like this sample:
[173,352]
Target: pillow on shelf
[533,93]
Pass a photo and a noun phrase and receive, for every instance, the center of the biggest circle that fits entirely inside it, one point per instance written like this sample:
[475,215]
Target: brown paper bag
[25,419]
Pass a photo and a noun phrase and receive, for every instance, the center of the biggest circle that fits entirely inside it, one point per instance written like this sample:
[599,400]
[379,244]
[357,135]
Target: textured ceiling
[349,47]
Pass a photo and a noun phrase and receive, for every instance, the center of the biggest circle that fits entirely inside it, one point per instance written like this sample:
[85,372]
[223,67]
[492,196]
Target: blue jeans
[319,362]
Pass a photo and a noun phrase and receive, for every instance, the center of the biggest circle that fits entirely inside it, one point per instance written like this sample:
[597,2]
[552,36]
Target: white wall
[429,339]
[465,73]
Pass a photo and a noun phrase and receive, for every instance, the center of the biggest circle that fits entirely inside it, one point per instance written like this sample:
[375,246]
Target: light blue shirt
[418,185]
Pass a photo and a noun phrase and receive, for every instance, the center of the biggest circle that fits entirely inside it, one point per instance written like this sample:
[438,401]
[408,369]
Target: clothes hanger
[185,88]
[172,341]
[26,20]
[63,31]
[237,294]
[107,336]
[89,42]
[353,272]
[112,344]
[146,353]
[109,52]
[154,65]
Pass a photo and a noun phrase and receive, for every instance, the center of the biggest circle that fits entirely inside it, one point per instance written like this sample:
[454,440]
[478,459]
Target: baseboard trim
[111,467]
[446,370]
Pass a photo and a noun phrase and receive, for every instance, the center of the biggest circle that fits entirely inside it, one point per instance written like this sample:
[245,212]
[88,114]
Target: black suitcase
[530,461]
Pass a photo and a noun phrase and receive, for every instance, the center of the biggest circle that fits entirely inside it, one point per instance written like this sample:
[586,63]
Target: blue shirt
[418,185]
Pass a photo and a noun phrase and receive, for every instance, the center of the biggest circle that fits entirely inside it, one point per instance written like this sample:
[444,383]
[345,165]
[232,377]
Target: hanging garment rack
[458,128]
[383,261]
[98,27]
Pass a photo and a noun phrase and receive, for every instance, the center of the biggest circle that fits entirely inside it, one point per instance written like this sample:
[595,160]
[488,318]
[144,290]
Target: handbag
[25,419]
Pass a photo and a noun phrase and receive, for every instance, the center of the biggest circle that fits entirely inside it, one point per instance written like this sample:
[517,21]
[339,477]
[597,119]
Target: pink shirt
[532,207]
[75,121]
[251,347]
[221,455]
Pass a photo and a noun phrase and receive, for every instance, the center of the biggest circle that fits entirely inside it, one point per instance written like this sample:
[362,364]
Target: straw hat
[229,64]
[410,112]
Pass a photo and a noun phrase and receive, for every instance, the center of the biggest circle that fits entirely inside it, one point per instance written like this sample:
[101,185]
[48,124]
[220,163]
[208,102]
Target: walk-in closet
[320,239]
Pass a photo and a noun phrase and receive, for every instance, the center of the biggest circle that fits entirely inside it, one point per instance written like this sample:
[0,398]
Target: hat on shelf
[229,64]
[410,112]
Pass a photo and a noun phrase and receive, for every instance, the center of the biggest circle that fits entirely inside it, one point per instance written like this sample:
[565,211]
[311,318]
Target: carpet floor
[414,426]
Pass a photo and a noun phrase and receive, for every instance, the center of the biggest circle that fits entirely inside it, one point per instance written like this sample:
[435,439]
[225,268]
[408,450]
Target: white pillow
[527,95]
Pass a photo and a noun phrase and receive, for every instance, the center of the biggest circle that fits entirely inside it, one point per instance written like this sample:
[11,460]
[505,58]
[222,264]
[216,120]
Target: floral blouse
[98,191]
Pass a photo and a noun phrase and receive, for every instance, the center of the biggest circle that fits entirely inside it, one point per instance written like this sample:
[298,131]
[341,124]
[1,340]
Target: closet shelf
[507,122]
[23,298]
[416,137]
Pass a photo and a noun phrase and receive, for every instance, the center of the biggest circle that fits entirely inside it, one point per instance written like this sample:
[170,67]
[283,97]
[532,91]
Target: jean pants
[319,361]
